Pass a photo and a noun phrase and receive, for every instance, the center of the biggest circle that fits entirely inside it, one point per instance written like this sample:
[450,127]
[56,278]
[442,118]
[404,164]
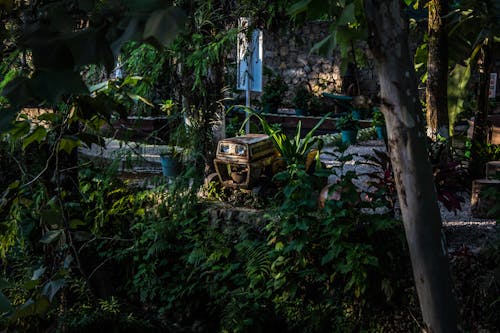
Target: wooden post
[482,198]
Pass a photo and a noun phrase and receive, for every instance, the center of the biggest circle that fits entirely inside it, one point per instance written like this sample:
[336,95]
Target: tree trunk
[480,134]
[388,41]
[437,71]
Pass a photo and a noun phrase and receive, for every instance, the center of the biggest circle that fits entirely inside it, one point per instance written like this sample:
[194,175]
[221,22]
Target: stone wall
[288,53]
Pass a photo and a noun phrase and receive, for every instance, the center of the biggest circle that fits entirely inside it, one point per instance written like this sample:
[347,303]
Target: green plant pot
[349,136]
[269,109]
[356,114]
[300,112]
[169,166]
[381,132]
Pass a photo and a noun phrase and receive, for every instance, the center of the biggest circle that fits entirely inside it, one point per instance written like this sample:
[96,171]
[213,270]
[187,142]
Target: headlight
[224,149]
[241,150]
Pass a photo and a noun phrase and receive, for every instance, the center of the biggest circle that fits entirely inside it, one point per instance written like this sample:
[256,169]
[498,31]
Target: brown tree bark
[437,71]
[480,134]
[388,41]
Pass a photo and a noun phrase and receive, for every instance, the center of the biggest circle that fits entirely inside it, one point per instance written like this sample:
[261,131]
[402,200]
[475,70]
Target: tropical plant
[303,98]
[347,122]
[294,151]
[377,118]
[274,91]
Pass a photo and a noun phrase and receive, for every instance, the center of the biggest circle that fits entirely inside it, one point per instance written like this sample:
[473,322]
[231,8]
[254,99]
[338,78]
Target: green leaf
[51,236]
[5,305]
[38,135]
[51,216]
[37,274]
[325,46]
[457,90]
[18,92]
[89,139]
[82,236]
[86,5]
[143,5]
[298,7]
[51,85]
[130,33]
[4,284]
[7,115]
[348,15]
[164,25]
[90,47]
[137,98]
[31,307]
[67,144]
[51,288]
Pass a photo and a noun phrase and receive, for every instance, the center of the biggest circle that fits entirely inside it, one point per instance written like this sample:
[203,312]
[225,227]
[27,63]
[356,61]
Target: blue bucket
[168,166]
[349,137]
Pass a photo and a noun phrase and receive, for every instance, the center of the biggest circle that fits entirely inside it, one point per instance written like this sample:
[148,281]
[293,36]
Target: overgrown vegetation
[82,250]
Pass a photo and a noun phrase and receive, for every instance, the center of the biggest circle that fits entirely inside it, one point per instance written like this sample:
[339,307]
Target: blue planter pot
[349,136]
[381,132]
[300,112]
[169,167]
[356,114]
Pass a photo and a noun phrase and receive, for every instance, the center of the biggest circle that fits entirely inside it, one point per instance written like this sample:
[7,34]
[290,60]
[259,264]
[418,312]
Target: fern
[258,266]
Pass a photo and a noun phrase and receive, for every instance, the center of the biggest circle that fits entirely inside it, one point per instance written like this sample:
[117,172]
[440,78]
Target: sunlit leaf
[38,135]
[67,144]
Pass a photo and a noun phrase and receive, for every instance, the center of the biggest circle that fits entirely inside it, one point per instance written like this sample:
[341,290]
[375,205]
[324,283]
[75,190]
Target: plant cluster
[347,122]
[377,118]
[274,91]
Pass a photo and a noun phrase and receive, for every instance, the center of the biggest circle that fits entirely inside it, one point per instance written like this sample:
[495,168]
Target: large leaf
[90,47]
[326,45]
[5,305]
[52,216]
[51,85]
[51,288]
[51,236]
[31,307]
[143,5]
[348,15]
[299,7]
[7,115]
[4,284]
[18,91]
[164,25]
[67,144]
[39,134]
[131,32]
[457,90]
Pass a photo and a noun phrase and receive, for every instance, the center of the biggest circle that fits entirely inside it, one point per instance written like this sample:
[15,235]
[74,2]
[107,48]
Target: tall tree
[437,70]
[388,41]
[387,31]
